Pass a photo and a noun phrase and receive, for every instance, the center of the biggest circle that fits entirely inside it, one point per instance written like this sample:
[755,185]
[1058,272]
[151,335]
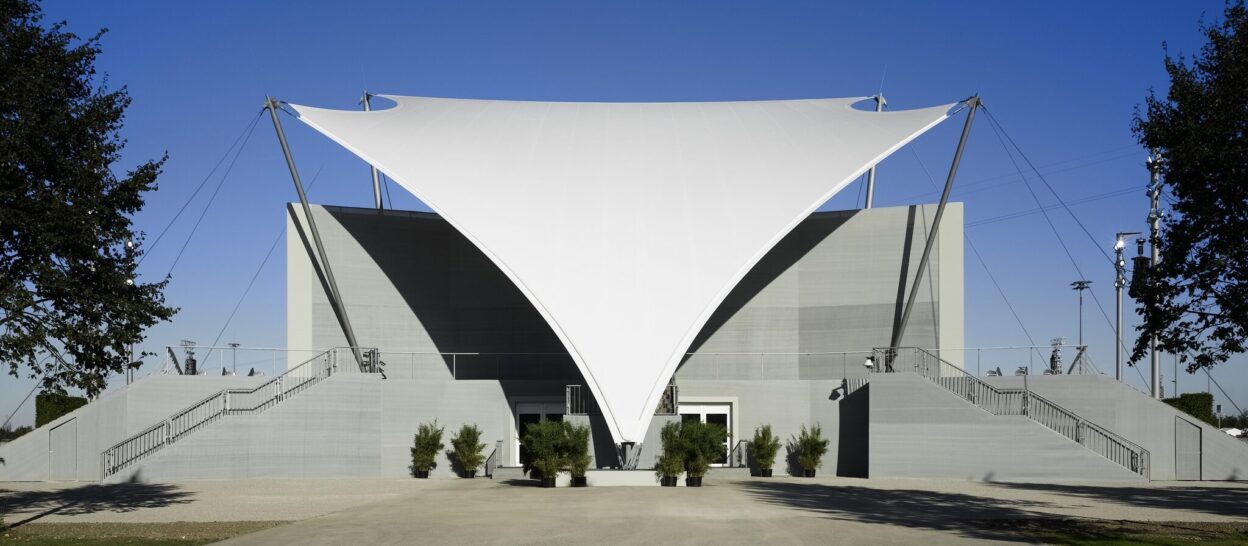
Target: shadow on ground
[121,497]
[1232,502]
[933,510]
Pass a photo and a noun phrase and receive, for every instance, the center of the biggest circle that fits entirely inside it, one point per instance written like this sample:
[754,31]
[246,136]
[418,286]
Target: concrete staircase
[227,402]
[1018,402]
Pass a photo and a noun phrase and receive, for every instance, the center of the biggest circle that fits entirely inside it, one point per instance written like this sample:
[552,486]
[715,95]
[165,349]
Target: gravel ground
[729,510]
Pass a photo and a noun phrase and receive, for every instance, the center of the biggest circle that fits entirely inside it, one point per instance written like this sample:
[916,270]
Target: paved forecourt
[728,509]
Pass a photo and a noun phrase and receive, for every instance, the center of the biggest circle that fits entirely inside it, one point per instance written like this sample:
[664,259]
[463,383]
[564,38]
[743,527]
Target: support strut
[335,299]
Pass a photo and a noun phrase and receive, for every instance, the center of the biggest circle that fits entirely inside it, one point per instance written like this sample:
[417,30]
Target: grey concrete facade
[804,318]
[419,291]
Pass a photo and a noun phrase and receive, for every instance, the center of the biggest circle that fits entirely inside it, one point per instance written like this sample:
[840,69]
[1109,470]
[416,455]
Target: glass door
[716,414]
[529,413]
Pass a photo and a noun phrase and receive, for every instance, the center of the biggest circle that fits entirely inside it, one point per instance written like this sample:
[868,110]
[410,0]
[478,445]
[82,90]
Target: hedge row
[49,406]
[1196,404]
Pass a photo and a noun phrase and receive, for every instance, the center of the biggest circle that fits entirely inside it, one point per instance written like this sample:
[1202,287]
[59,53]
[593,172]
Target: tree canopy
[1195,301]
[70,301]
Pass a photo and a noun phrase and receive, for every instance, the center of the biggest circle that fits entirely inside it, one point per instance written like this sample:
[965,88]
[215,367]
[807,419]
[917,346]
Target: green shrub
[672,461]
[49,406]
[577,449]
[546,443]
[467,446]
[1196,404]
[764,447]
[428,444]
[811,447]
[702,443]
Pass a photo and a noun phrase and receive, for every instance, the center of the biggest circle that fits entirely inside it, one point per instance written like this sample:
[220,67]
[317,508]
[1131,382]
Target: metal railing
[227,402]
[494,459]
[1088,434]
[575,400]
[1003,401]
[739,455]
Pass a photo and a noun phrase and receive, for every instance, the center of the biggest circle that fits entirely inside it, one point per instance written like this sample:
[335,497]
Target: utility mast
[1154,237]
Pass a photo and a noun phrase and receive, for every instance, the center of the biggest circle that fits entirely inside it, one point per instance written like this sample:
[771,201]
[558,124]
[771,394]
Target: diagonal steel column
[335,300]
[973,103]
[368,107]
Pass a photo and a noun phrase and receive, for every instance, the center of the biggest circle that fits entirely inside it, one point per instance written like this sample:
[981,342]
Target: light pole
[1154,237]
[1080,286]
[234,356]
[1120,280]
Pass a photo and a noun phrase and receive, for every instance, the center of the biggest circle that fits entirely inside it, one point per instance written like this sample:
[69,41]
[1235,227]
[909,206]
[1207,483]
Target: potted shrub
[672,461]
[811,446]
[467,446]
[546,443]
[577,450]
[702,443]
[763,449]
[425,451]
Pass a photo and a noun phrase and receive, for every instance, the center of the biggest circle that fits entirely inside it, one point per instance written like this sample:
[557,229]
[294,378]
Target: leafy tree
[1195,301]
[70,302]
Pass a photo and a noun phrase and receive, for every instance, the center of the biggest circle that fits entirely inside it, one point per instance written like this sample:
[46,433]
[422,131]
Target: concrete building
[621,284]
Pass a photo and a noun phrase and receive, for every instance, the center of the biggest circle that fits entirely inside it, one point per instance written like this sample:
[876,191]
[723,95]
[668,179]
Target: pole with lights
[1120,280]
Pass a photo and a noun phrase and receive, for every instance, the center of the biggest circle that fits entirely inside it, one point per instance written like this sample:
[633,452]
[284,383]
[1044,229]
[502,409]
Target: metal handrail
[230,401]
[1005,401]
[491,462]
[738,456]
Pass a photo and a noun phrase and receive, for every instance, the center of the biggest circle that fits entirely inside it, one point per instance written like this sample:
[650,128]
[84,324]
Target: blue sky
[1063,78]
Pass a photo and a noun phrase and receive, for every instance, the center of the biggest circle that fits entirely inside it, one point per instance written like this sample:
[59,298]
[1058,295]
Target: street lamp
[1120,280]
[1080,286]
[234,354]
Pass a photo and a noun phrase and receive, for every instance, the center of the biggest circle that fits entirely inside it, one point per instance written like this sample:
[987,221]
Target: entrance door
[1186,450]
[716,414]
[63,451]
[528,413]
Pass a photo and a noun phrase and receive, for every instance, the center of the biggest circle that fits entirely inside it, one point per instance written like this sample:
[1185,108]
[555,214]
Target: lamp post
[1120,280]
[1080,286]
[234,356]
[1154,237]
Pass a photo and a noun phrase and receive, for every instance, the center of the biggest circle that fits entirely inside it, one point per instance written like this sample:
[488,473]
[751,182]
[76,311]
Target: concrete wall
[920,430]
[414,286]
[116,415]
[1140,419]
[836,284]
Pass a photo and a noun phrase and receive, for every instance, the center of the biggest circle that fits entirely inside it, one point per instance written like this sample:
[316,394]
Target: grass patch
[1087,532]
[136,534]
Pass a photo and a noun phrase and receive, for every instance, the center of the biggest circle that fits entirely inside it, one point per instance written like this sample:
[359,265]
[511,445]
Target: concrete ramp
[917,429]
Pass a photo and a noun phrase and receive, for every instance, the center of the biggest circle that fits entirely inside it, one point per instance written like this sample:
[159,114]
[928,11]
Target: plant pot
[422,474]
[668,481]
[693,481]
[470,474]
[547,482]
[808,472]
[764,472]
[579,481]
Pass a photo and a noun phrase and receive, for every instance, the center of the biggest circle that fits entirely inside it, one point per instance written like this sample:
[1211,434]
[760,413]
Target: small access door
[717,414]
[1187,452]
[528,413]
[63,451]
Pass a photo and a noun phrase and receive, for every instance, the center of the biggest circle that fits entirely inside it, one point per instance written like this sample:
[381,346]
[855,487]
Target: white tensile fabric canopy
[625,224]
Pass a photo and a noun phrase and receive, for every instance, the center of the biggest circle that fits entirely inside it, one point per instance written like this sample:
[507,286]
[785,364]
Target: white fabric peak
[626,224]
